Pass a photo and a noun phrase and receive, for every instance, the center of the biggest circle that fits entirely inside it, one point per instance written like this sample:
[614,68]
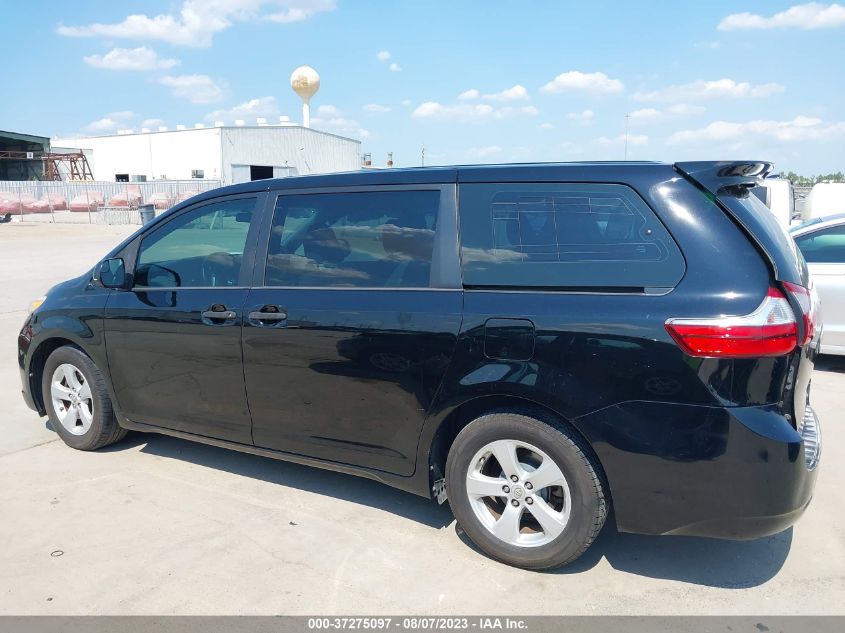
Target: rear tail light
[806,298]
[771,330]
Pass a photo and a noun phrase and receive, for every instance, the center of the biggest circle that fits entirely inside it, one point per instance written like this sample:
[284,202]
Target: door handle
[268,316]
[258,315]
[213,314]
[218,316]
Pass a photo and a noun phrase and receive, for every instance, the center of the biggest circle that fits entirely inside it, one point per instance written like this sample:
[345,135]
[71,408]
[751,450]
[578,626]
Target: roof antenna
[422,156]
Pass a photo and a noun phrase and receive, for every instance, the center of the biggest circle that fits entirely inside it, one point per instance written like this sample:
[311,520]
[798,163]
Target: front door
[174,339]
[348,338]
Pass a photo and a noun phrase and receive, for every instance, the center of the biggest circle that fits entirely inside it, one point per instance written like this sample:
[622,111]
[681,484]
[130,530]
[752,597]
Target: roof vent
[239,122]
[162,128]
[199,126]
[180,127]
[261,121]
[219,124]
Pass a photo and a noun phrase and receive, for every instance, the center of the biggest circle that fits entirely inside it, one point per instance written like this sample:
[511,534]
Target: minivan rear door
[731,184]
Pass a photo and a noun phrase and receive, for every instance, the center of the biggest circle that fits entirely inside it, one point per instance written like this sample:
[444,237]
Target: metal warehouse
[230,154]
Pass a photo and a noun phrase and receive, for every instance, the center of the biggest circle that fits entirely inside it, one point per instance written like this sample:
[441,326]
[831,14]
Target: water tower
[305,82]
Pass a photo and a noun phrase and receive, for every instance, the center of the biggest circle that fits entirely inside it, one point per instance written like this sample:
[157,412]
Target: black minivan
[537,343]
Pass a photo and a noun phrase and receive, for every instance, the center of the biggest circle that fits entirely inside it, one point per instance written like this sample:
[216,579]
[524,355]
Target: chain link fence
[92,202]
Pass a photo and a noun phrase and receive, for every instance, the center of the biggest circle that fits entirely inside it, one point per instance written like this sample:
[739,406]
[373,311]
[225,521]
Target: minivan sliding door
[352,322]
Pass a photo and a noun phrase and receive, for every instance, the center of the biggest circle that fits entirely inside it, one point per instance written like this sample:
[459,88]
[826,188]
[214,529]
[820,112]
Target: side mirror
[110,273]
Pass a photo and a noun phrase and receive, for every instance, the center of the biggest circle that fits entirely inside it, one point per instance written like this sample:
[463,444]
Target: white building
[231,154]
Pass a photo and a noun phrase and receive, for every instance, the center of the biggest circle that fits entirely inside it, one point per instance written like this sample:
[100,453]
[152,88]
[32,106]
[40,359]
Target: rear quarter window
[564,236]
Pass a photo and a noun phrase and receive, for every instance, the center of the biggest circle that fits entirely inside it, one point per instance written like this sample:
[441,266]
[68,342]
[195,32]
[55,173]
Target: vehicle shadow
[698,561]
[316,480]
[829,362]
[694,560]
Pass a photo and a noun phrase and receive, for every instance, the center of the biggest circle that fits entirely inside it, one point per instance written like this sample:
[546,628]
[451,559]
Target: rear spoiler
[716,175]
[730,183]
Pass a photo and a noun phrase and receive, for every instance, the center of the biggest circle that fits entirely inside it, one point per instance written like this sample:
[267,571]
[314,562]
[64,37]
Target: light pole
[627,117]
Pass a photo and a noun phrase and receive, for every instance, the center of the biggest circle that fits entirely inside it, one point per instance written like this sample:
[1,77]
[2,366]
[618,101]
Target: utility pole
[627,118]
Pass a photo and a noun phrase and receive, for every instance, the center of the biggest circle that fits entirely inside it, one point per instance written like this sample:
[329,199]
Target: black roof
[514,172]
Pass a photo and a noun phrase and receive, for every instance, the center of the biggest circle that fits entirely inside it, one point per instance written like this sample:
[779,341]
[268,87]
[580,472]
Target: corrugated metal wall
[305,150]
[175,153]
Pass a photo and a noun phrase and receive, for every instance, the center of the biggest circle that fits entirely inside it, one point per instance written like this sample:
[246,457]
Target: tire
[572,505]
[85,420]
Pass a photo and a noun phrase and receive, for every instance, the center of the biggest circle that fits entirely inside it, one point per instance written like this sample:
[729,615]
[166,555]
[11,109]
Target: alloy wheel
[518,493]
[72,400]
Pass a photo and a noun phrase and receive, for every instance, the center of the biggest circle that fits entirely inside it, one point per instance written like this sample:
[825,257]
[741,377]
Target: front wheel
[525,489]
[77,401]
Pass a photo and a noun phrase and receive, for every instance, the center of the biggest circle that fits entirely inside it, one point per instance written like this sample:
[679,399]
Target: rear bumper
[727,472]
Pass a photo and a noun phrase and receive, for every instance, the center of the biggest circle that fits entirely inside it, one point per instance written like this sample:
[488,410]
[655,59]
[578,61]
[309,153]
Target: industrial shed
[21,154]
[230,154]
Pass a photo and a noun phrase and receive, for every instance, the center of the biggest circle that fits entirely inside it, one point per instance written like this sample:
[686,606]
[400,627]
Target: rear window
[564,235]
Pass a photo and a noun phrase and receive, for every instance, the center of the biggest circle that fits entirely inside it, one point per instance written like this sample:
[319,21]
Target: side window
[368,239]
[826,246]
[565,236]
[202,247]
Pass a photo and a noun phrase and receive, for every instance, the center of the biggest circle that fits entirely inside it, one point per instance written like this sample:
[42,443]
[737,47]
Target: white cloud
[584,118]
[329,110]
[340,125]
[111,121]
[677,111]
[514,93]
[720,88]
[713,45]
[199,20]
[633,139]
[801,128]
[812,15]
[141,58]
[394,67]
[546,126]
[466,112]
[407,103]
[299,10]
[260,107]
[152,122]
[383,56]
[593,83]
[194,88]
[376,107]
[487,151]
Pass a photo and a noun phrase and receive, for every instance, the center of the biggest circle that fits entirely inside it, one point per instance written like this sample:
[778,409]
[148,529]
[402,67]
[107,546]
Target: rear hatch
[730,184]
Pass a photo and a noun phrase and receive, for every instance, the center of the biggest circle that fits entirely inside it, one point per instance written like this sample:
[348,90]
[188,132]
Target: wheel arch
[37,363]
[460,416]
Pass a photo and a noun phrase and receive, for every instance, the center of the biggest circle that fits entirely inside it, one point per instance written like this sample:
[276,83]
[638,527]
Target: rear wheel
[77,401]
[525,489]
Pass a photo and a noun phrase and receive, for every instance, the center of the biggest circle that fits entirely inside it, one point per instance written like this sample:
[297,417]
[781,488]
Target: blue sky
[470,81]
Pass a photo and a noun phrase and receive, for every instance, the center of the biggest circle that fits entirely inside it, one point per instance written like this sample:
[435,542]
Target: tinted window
[202,247]
[562,235]
[369,239]
[825,246]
